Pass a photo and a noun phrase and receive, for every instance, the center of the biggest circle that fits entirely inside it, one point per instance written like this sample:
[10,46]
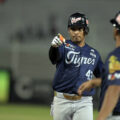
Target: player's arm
[99,67]
[54,54]
[111,97]
[89,85]
[96,82]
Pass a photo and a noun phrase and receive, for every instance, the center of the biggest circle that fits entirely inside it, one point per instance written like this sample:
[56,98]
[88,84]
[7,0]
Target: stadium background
[26,30]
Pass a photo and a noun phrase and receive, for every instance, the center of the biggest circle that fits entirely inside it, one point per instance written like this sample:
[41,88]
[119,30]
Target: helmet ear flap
[86,29]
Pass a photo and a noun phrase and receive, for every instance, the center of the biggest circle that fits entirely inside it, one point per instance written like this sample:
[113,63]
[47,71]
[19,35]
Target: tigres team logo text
[74,20]
[74,57]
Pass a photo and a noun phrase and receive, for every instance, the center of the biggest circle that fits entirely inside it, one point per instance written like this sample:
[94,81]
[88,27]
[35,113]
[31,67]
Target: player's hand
[85,86]
[58,40]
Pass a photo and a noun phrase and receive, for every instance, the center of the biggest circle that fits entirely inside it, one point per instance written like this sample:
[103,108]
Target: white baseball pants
[63,109]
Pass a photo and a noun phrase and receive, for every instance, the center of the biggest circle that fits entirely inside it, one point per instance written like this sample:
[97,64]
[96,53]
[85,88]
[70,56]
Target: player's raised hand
[58,40]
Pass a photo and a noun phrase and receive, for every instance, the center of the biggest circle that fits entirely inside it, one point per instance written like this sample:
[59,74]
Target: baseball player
[76,62]
[110,81]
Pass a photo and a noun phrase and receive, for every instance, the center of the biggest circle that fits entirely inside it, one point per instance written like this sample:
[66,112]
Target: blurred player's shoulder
[115,52]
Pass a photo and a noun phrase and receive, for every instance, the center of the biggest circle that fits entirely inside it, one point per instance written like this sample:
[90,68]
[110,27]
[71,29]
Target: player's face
[77,35]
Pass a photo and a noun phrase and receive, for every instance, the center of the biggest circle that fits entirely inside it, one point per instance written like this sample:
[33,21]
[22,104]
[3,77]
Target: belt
[67,96]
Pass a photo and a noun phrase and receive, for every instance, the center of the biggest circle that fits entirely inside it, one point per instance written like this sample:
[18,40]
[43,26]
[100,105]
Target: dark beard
[77,42]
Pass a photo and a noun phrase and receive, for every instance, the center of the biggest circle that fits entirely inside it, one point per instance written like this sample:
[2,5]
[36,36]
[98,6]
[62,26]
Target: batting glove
[58,40]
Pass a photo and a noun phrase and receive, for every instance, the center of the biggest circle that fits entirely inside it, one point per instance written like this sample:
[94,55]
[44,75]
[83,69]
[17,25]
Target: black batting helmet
[116,21]
[78,20]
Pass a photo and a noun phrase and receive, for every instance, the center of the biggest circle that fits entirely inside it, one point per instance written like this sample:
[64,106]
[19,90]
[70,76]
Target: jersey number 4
[89,75]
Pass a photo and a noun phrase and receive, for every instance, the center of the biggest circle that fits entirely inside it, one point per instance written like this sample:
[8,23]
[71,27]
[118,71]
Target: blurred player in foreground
[76,62]
[110,81]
